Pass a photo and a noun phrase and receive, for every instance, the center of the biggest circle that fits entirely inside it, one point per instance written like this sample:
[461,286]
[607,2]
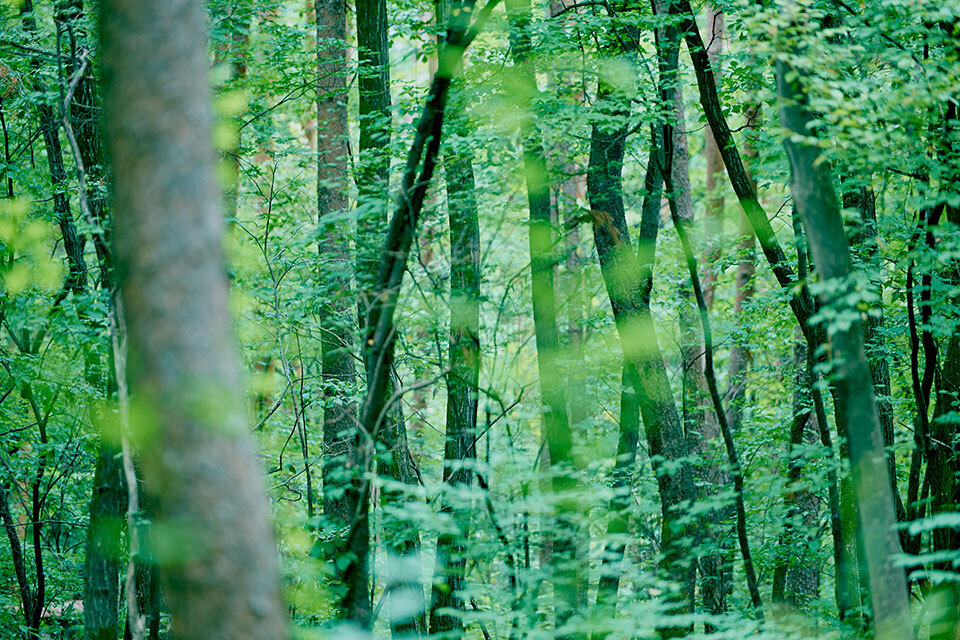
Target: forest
[496,320]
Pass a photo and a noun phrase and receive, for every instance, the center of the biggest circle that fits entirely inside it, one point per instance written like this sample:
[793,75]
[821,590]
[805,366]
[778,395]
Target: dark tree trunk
[943,467]
[603,181]
[815,200]
[198,462]
[373,203]
[628,278]
[721,415]
[73,243]
[108,501]
[373,176]
[630,408]
[796,575]
[462,380]
[101,574]
[338,337]
[27,598]
[381,331]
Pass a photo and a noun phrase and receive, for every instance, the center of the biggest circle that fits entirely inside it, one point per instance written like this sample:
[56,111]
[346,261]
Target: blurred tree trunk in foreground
[213,536]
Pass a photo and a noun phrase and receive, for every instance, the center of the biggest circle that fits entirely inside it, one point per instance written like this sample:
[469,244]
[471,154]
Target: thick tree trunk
[212,519]
[815,199]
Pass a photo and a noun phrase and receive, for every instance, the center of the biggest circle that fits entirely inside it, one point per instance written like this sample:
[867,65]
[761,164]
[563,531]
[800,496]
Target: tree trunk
[212,520]
[815,199]
[721,415]
[542,239]
[628,279]
[464,361]
[381,331]
[373,176]
[336,320]
[101,574]
[796,575]
[73,243]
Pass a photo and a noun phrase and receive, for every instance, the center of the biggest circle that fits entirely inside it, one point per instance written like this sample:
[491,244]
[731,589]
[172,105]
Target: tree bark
[212,520]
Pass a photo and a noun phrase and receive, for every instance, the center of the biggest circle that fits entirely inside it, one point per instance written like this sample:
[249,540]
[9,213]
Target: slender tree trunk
[943,467]
[565,563]
[73,243]
[27,598]
[197,458]
[373,202]
[861,198]
[101,575]
[464,362]
[108,501]
[338,335]
[816,201]
[713,214]
[381,331]
[796,576]
[721,415]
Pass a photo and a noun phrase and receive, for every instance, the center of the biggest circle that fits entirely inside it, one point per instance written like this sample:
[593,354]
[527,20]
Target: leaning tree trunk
[421,162]
[801,301]
[627,275]
[721,415]
[604,153]
[811,185]
[373,203]
[220,564]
